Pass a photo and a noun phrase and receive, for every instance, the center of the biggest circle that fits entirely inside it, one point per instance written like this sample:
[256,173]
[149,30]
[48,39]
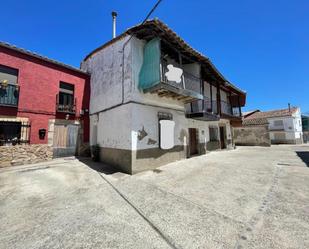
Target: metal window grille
[14,132]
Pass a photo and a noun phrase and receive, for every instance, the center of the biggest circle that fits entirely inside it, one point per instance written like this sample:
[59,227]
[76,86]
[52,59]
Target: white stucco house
[154,100]
[285,125]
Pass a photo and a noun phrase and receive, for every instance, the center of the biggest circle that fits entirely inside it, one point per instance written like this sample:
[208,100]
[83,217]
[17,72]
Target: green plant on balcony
[4,84]
[3,87]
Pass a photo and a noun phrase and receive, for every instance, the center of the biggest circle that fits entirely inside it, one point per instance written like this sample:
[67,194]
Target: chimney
[289,105]
[114,15]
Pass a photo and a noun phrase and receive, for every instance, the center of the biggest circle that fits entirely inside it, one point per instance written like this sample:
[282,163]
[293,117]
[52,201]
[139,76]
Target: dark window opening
[9,90]
[213,133]
[66,100]
[13,132]
[8,75]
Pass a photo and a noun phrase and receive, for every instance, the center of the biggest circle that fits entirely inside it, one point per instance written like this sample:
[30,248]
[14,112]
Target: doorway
[65,140]
[222,137]
[193,146]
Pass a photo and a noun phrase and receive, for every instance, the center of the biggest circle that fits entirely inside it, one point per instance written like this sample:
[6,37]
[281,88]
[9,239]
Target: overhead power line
[152,10]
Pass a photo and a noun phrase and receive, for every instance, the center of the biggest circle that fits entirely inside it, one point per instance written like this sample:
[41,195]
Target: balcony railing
[203,110]
[207,108]
[9,95]
[205,105]
[227,109]
[188,81]
[65,108]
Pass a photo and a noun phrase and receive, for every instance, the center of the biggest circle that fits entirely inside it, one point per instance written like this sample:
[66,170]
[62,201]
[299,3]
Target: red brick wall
[39,84]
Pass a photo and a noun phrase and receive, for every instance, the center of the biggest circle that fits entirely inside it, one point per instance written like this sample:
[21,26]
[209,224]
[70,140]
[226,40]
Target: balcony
[227,110]
[205,110]
[65,107]
[186,90]
[9,95]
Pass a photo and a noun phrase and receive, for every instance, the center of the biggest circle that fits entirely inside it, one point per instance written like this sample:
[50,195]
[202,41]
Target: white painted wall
[120,127]
[292,126]
[147,117]
[106,75]
[112,129]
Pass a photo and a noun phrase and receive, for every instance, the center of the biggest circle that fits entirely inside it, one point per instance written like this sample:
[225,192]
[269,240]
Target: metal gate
[65,140]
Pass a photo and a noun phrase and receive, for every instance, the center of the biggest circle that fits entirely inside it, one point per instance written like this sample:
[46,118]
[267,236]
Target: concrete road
[250,197]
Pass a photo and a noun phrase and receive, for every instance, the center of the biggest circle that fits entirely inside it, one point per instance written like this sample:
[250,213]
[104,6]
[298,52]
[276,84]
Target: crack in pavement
[166,238]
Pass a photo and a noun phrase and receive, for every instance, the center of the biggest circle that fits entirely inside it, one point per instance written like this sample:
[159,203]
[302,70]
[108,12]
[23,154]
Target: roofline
[157,22]
[41,57]
[110,42]
[286,115]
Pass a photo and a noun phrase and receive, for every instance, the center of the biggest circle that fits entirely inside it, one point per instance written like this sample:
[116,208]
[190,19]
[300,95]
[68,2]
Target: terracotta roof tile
[260,118]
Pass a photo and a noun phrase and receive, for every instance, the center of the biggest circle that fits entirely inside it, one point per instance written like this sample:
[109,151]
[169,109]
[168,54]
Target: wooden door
[193,141]
[222,137]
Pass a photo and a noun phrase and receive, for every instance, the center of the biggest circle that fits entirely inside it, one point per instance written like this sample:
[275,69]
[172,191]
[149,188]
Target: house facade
[154,100]
[42,102]
[284,126]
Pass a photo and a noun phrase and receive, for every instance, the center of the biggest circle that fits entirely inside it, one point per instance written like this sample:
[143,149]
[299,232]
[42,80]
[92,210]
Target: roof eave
[42,58]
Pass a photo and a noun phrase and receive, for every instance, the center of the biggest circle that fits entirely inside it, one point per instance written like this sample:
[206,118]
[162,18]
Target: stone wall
[24,154]
[252,136]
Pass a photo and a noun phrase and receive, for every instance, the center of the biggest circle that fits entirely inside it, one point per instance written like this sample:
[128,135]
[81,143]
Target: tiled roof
[254,121]
[173,38]
[245,114]
[40,57]
[260,118]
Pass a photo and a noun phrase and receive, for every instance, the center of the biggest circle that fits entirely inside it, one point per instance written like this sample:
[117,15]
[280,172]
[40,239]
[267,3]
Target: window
[66,102]
[8,86]
[14,132]
[10,132]
[278,123]
[8,74]
[213,133]
[279,136]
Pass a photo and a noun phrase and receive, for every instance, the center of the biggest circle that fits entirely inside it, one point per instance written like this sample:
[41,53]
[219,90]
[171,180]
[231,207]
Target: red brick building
[42,101]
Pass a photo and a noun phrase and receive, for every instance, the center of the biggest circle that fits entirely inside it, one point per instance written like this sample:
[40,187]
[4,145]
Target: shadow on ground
[98,166]
[304,156]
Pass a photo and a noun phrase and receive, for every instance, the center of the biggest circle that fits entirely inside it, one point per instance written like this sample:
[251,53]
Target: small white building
[155,100]
[285,126]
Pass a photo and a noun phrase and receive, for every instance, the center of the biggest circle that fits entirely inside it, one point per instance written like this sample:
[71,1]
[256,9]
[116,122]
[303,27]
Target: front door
[222,137]
[65,140]
[193,141]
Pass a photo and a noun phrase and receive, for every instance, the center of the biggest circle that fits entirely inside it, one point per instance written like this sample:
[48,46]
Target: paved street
[250,197]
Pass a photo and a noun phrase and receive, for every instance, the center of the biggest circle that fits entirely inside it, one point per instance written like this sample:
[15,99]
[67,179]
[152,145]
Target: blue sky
[261,46]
